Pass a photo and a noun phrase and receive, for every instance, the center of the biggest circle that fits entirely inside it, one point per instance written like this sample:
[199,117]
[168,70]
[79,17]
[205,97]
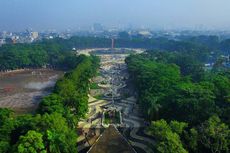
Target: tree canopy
[174,88]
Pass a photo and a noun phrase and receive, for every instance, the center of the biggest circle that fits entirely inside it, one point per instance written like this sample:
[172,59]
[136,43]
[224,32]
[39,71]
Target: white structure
[2,41]
[34,35]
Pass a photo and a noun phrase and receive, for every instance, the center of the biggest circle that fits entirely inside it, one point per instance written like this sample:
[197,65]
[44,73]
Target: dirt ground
[22,91]
[22,103]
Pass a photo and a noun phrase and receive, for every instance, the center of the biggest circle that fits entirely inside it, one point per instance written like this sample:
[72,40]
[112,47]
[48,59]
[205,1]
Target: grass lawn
[115,119]
[94,86]
[99,97]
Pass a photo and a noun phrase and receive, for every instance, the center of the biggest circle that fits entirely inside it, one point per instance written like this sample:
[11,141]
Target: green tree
[57,135]
[215,135]
[153,110]
[5,114]
[171,144]
[189,66]
[178,127]
[31,143]
[50,104]
[193,103]
[6,126]
[191,138]
[168,141]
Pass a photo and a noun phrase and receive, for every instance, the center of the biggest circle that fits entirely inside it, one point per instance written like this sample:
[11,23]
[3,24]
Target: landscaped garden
[94,86]
[98,97]
[112,117]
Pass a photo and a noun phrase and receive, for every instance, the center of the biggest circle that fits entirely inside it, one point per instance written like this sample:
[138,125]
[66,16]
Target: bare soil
[22,91]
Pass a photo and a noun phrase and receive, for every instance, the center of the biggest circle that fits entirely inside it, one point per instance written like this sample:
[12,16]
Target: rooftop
[111,141]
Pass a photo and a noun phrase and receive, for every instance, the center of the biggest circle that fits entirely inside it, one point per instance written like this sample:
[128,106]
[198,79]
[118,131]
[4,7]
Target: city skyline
[17,15]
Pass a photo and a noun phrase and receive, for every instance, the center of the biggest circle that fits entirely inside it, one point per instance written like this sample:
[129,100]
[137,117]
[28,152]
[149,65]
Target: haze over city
[16,15]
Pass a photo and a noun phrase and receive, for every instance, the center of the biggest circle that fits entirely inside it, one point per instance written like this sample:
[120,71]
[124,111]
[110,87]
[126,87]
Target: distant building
[50,37]
[145,33]
[97,27]
[4,34]
[15,39]
[34,35]
[2,41]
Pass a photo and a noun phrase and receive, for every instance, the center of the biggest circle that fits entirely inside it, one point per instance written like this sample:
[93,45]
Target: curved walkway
[142,146]
[131,118]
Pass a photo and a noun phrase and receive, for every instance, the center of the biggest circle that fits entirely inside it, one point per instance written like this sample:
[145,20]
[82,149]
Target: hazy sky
[62,14]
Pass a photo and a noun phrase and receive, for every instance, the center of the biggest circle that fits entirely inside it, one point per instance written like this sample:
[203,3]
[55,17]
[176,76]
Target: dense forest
[188,107]
[56,53]
[35,56]
[53,128]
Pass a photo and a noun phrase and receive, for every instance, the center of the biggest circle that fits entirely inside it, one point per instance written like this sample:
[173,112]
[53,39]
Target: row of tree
[53,128]
[146,43]
[56,52]
[190,107]
[35,56]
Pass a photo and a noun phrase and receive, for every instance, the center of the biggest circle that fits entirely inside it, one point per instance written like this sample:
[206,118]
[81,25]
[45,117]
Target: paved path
[133,134]
[130,114]
[142,146]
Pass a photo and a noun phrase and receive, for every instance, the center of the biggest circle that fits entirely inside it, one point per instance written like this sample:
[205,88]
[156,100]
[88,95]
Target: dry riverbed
[22,91]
